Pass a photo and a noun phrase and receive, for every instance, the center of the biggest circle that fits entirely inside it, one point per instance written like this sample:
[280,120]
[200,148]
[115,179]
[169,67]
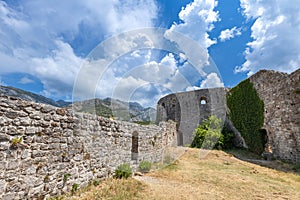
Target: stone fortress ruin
[189,109]
[280,93]
[40,145]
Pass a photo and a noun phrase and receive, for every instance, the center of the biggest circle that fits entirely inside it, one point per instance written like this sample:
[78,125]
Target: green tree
[208,134]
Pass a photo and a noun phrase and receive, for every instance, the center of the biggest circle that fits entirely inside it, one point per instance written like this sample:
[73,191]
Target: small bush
[123,171]
[96,182]
[75,187]
[145,166]
[66,176]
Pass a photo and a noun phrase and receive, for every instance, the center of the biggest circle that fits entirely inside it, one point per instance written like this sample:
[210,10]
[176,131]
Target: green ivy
[247,114]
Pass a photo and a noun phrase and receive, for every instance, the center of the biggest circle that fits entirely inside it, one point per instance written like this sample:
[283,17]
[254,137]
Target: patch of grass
[123,171]
[144,166]
[66,177]
[96,182]
[296,167]
[172,166]
[75,187]
[218,175]
[16,140]
[243,153]
[113,189]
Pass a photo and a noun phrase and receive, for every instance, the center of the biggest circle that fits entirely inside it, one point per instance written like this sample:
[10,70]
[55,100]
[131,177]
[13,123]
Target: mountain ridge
[108,107]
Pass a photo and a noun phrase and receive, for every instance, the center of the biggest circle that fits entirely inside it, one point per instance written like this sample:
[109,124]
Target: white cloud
[58,71]
[25,80]
[191,88]
[45,38]
[275,34]
[212,81]
[227,34]
[198,18]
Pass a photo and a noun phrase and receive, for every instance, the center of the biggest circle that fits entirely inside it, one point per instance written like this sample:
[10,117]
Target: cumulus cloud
[228,34]
[275,36]
[212,81]
[48,39]
[197,20]
[151,77]
[57,71]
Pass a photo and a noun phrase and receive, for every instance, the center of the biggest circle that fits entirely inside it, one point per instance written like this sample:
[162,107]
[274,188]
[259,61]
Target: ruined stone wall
[189,109]
[57,143]
[281,95]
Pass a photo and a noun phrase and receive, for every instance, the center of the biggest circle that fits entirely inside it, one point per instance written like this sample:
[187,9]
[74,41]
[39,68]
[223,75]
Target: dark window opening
[135,146]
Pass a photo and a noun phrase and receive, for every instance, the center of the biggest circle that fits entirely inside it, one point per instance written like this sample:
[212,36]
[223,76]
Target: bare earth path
[218,176]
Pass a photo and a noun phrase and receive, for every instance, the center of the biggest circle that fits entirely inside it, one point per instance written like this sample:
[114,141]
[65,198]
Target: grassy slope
[217,176]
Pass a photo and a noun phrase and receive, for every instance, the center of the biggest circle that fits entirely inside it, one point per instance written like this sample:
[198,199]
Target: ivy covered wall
[247,114]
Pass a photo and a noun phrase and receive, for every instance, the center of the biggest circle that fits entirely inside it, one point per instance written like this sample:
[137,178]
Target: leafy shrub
[145,166]
[96,182]
[208,134]
[247,114]
[75,187]
[123,171]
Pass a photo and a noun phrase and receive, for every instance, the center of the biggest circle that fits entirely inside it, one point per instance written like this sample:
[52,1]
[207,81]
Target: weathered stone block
[9,196]
[13,165]
[37,153]
[25,154]
[11,115]
[2,186]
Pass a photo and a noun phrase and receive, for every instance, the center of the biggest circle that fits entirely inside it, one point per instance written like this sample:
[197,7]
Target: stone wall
[281,95]
[44,150]
[189,109]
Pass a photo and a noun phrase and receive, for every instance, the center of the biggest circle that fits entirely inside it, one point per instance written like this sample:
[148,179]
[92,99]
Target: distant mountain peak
[29,96]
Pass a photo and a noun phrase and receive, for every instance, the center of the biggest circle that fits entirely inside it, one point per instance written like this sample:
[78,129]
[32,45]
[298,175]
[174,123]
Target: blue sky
[44,45]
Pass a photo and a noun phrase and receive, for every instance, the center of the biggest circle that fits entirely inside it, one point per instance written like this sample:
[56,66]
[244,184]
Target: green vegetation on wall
[247,114]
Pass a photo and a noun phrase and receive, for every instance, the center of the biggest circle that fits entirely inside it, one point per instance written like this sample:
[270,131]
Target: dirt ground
[219,176]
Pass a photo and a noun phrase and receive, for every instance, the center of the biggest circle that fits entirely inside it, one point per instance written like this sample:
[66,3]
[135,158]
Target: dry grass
[221,176]
[113,189]
[217,176]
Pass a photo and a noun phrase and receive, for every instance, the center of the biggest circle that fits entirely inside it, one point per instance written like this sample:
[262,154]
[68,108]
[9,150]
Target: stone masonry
[189,109]
[44,150]
[281,95]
